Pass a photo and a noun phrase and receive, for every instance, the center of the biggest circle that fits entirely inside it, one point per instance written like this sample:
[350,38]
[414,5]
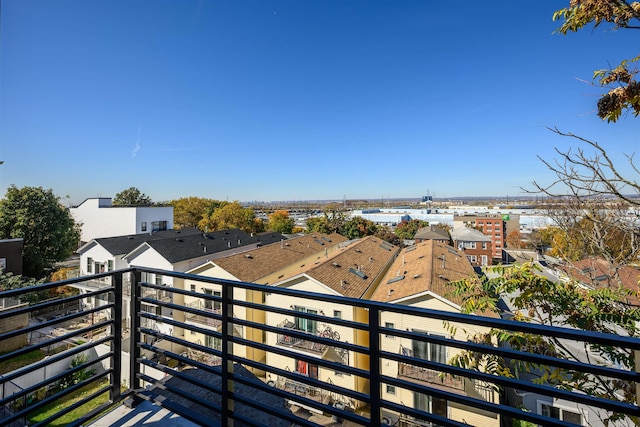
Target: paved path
[144,414]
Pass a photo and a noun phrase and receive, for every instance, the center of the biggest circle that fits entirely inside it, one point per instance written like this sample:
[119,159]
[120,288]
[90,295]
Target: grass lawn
[62,403]
[20,361]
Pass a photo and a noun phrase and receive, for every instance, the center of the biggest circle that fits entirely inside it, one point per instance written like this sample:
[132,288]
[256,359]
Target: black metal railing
[215,376]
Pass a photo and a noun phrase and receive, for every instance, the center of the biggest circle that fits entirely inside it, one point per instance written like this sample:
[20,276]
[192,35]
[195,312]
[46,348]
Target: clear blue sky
[295,100]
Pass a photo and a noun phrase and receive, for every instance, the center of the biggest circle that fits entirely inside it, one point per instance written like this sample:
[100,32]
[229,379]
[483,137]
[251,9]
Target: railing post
[116,345]
[227,349]
[375,386]
[135,337]
[636,358]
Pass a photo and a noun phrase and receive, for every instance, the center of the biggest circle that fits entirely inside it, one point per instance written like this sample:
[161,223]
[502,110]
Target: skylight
[395,279]
[358,273]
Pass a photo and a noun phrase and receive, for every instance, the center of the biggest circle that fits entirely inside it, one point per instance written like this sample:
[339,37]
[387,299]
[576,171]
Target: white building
[99,218]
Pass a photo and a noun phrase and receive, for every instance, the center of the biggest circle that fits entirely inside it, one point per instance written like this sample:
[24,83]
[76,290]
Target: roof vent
[248,256]
[228,244]
[335,264]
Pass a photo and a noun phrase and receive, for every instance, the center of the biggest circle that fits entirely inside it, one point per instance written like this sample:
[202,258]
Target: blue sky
[295,100]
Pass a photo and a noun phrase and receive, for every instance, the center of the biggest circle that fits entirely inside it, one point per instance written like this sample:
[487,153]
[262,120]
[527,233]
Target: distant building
[11,256]
[99,218]
[496,226]
[476,246]
[432,232]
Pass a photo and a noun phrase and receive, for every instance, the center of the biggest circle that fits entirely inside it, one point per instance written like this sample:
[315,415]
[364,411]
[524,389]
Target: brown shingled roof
[427,266]
[353,270]
[255,264]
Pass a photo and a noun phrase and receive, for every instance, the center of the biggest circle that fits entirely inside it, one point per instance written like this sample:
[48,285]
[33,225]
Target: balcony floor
[144,414]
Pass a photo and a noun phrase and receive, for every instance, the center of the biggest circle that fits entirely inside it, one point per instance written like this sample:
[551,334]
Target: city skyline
[294,100]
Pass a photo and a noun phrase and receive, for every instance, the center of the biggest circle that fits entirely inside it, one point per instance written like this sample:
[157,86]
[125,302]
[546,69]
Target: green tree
[623,90]
[9,281]
[541,300]
[318,224]
[189,211]
[358,227]
[131,197]
[232,215]
[407,229]
[37,216]
[279,221]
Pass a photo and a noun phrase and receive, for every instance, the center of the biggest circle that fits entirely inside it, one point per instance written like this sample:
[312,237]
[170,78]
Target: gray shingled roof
[198,245]
[121,245]
[468,234]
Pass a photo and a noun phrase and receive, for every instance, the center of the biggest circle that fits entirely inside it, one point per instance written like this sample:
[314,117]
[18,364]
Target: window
[306,325]
[158,225]
[429,351]
[143,226]
[484,245]
[390,326]
[158,279]
[472,258]
[391,389]
[307,369]
[89,265]
[561,414]
[212,305]
[110,265]
[192,288]
[213,342]
[467,245]
[337,314]
[485,260]
[433,405]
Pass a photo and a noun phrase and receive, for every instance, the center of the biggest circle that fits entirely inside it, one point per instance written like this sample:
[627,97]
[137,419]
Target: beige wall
[12,323]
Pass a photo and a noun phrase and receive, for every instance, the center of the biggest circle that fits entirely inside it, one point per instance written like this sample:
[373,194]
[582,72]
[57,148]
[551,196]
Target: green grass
[20,361]
[55,407]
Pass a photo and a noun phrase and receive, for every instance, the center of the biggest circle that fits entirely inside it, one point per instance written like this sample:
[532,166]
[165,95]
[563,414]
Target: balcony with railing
[86,373]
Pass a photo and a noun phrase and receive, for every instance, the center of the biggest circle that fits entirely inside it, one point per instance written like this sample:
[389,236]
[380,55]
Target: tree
[37,216]
[387,235]
[358,227]
[318,224]
[131,197]
[9,281]
[514,240]
[546,302]
[623,89]
[407,229]
[232,215]
[189,211]
[279,221]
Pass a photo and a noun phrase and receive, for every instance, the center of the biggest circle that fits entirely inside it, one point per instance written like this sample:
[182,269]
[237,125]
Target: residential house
[354,270]
[421,277]
[432,232]
[98,217]
[496,226]
[476,246]
[173,250]
[256,266]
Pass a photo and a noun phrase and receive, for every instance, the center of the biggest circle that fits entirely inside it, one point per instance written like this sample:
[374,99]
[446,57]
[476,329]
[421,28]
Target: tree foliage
[232,215]
[623,90]
[131,197]
[189,211]
[331,221]
[281,222]
[9,281]
[546,302]
[407,229]
[358,227]
[514,240]
[37,216]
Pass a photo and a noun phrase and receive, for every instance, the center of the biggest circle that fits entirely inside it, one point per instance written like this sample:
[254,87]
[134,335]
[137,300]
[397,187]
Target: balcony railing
[430,376]
[235,379]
